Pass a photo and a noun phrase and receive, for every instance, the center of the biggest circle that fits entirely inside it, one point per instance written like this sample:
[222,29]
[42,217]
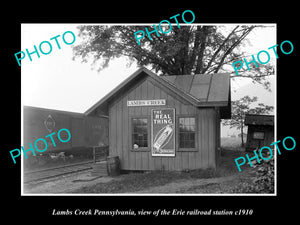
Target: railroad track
[45,174]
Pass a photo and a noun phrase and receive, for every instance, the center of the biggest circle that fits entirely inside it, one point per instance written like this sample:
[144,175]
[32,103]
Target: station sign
[146,102]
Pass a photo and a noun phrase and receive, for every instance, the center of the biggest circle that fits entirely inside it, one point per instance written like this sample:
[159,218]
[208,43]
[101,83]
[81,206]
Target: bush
[263,182]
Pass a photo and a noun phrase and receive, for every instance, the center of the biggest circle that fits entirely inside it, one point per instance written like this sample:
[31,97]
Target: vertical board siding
[157,159]
[113,132]
[150,94]
[119,120]
[131,112]
[120,131]
[144,112]
[165,160]
[138,112]
[124,160]
[212,139]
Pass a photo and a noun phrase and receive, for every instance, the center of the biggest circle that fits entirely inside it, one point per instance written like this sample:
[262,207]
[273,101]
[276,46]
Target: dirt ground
[72,183]
[203,181]
[188,186]
[65,184]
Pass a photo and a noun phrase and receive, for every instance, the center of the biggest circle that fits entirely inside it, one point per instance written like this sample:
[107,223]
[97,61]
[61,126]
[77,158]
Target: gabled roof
[252,119]
[199,90]
[206,88]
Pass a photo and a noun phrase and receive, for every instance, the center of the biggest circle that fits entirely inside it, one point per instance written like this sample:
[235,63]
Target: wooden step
[99,169]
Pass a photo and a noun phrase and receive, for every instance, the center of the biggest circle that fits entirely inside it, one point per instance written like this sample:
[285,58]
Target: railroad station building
[166,122]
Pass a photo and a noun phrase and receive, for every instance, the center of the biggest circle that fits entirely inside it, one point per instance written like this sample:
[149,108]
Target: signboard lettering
[146,102]
[163,132]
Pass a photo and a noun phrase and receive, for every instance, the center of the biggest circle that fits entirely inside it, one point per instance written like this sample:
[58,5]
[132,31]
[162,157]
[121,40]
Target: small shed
[166,122]
[260,131]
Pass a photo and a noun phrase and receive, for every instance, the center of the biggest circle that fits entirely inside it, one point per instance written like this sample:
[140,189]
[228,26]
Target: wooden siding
[252,143]
[120,116]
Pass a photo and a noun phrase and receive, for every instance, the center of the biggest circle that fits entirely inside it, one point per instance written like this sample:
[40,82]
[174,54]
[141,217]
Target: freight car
[86,134]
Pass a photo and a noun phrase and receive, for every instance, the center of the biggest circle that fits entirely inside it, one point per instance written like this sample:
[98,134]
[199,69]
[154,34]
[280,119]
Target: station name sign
[146,102]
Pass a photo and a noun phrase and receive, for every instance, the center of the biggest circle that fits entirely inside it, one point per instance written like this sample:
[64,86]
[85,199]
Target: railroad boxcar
[86,132]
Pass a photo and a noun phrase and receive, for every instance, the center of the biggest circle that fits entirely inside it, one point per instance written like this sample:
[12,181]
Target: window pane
[140,136]
[186,144]
[135,138]
[193,128]
[186,121]
[144,122]
[181,121]
[187,132]
[143,130]
[145,137]
[181,128]
[139,132]
[192,121]
[181,144]
[192,144]
[187,136]
[141,144]
[140,122]
[259,135]
[145,143]
[180,138]
[192,136]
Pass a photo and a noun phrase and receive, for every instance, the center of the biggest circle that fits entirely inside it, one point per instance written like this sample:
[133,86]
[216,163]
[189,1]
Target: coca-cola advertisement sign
[163,132]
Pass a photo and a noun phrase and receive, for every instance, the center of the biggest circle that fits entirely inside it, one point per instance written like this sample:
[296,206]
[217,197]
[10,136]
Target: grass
[239,182]
[134,182]
[230,143]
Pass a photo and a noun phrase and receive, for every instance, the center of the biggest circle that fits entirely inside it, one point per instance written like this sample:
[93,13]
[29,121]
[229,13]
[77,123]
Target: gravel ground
[65,184]
[189,185]
[69,184]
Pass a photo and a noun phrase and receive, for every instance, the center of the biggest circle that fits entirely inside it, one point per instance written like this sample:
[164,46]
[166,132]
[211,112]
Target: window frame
[148,134]
[258,131]
[195,149]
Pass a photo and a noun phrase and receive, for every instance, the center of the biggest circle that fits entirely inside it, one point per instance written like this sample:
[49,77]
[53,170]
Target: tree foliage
[185,50]
[240,108]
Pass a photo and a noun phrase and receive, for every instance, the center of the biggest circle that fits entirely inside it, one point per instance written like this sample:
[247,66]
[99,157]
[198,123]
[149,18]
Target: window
[187,132]
[259,135]
[139,133]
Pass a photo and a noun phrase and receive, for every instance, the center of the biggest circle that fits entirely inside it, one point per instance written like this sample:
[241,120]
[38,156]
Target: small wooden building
[260,131]
[166,122]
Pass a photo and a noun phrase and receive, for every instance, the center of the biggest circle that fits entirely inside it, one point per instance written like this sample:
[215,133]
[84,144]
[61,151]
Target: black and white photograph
[148,113]
[174,108]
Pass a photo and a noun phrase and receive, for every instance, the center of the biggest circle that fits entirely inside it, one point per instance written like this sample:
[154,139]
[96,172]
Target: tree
[185,50]
[240,108]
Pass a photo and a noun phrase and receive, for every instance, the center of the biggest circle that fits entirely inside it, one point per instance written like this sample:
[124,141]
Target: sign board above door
[146,102]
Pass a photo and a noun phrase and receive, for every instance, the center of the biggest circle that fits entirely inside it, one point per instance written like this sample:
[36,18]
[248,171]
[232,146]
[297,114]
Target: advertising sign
[163,132]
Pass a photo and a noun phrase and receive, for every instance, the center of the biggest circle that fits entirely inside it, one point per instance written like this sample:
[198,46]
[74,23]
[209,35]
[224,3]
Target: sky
[55,81]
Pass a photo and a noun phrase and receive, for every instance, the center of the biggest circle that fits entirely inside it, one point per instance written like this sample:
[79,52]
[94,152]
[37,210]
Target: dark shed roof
[200,90]
[209,88]
[252,119]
